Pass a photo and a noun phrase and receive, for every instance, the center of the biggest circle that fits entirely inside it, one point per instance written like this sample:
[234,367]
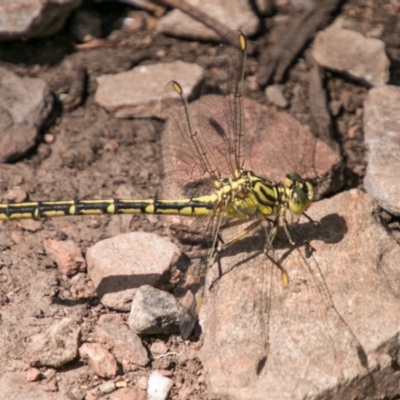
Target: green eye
[293,176]
[299,201]
[309,191]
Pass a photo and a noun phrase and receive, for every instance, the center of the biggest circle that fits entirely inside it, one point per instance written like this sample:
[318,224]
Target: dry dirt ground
[95,155]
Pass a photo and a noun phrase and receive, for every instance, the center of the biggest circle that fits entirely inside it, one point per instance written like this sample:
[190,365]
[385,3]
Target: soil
[95,155]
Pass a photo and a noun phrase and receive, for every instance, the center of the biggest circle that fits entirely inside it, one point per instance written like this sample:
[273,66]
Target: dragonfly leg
[221,246]
[288,232]
[316,223]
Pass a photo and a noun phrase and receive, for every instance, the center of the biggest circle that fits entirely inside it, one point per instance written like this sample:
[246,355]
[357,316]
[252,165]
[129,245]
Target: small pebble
[49,138]
[158,386]
[33,375]
[275,95]
[107,387]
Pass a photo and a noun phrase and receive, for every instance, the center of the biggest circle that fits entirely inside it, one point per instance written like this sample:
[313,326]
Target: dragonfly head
[300,193]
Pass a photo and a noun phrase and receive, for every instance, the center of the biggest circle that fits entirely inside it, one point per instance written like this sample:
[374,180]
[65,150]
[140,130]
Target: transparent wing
[237,321]
[191,288]
[186,163]
[219,236]
[204,141]
[252,320]
[278,144]
[312,320]
[222,117]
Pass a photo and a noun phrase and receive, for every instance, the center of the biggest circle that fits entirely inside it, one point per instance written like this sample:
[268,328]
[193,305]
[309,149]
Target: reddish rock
[67,256]
[129,394]
[33,375]
[100,361]
[382,137]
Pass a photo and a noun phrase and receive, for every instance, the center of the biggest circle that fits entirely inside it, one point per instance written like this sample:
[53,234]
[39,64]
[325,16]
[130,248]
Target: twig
[217,26]
[277,60]
[318,103]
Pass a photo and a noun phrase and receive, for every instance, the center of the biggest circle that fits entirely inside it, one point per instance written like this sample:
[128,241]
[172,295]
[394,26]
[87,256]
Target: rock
[158,348]
[107,387]
[264,7]
[28,19]
[278,144]
[382,137]
[81,287]
[30,225]
[55,347]
[335,107]
[236,15]
[126,346]
[15,195]
[275,96]
[25,104]
[66,255]
[352,53]
[129,393]
[327,331]
[142,382]
[156,312]
[33,375]
[137,93]
[158,386]
[301,5]
[100,361]
[118,266]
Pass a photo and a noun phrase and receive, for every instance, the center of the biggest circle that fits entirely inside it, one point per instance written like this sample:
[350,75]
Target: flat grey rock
[137,93]
[352,53]
[382,137]
[25,104]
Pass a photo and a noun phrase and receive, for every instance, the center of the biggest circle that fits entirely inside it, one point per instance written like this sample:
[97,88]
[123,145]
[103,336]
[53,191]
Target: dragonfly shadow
[330,229]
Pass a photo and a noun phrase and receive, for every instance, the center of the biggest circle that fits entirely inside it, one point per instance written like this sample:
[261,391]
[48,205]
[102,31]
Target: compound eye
[299,201]
[293,176]
[309,191]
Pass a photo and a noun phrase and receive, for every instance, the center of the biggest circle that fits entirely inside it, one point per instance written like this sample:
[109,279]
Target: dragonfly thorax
[247,195]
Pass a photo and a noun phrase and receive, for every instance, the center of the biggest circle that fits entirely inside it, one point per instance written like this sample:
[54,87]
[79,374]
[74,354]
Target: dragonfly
[209,158]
